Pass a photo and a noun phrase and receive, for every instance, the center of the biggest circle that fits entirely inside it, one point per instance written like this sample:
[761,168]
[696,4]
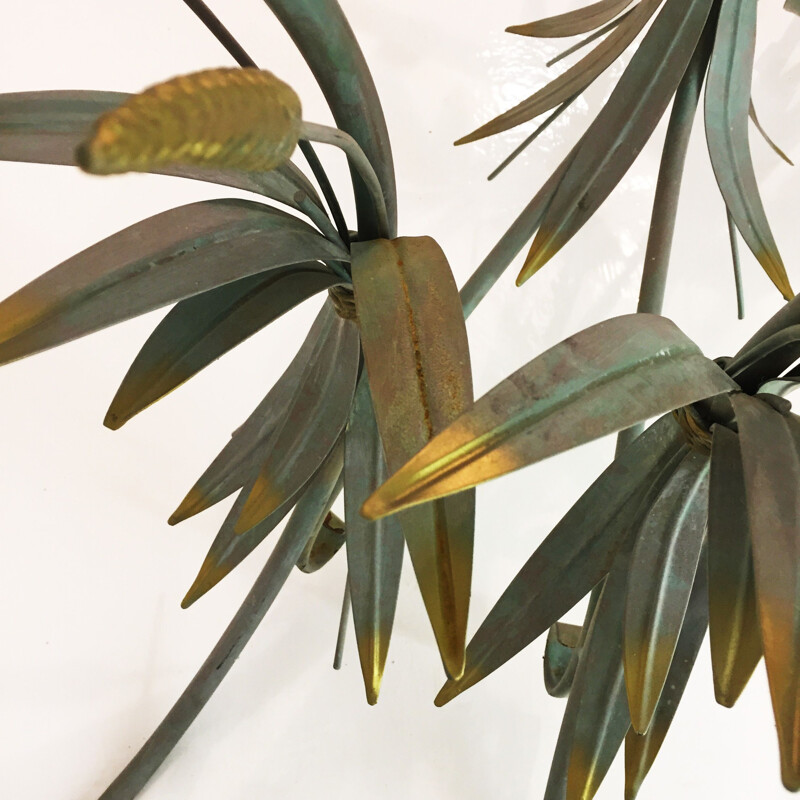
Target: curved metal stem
[305,520]
[358,161]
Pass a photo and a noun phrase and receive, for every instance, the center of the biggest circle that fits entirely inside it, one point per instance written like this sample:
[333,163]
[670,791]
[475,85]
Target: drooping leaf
[641,750]
[220,118]
[573,80]
[733,617]
[270,581]
[228,549]
[771,467]
[201,329]
[660,580]
[163,259]
[727,110]
[561,655]
[766,137]
[374,549]
[765,360]
[624,125]
[417,360]
[311,423]
[572,23]
[46,127]
[322,34]
[601,719]
[601,380]
[241,458]
[573,558]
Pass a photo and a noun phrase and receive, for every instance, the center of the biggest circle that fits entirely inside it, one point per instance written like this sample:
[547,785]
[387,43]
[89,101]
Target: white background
[96,646]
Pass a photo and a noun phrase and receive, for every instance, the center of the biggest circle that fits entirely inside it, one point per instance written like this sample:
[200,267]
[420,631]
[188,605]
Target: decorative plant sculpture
[378,401]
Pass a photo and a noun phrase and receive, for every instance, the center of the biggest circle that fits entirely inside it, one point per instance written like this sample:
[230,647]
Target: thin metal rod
[589,39]
[665,203]
[243,59]
[737,264]
[526,143]
[305,520]
[325,187]
[344,621]
[355,155]
[222,34]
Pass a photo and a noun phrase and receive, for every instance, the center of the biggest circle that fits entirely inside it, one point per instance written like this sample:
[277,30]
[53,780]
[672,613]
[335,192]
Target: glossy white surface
[96,646]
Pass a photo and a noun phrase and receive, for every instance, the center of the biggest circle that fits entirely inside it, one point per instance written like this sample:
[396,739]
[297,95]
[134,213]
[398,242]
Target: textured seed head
[220,118]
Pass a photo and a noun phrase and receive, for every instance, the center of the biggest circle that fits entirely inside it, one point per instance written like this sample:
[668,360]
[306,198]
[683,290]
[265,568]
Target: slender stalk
[665,203]
[326,41]
[305,520]
[358,161]
[527,142]
[344,621]
[243,59]
[589,39]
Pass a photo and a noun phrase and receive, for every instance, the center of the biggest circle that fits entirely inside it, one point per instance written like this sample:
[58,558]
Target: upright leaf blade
[601,380]
[417,360]
[199,330]
[662,572]
[321,32]
[573,558]
[727,111]
[771,466]
[374,549]
[171,256]
[733,617]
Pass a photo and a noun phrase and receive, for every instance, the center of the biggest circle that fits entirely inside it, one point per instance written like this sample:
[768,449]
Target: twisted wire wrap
[232,118]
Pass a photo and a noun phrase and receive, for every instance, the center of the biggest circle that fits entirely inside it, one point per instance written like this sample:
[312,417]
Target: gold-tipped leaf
[771,466]
[233,118]
[417,360]
[727,108]
[601,380]
[572,23]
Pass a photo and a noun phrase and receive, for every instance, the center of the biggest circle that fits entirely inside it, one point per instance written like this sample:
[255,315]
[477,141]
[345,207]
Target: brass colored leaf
[574,557]
[601,380]
[727,107]
[771,465]
[200,329]
[623,125]
[561,655]
[374,549]
[417,360]
[660,580]
[310,423]
[233,118]
[171,256]
[242,457]
[572,23]
[573,80]
[733,617]
[641,750]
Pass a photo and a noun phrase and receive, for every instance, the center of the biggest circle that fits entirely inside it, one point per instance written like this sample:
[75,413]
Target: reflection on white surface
[96,645]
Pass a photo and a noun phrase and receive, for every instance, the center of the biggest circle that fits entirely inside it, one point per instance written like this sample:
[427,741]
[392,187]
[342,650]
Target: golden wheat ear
[233,118]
